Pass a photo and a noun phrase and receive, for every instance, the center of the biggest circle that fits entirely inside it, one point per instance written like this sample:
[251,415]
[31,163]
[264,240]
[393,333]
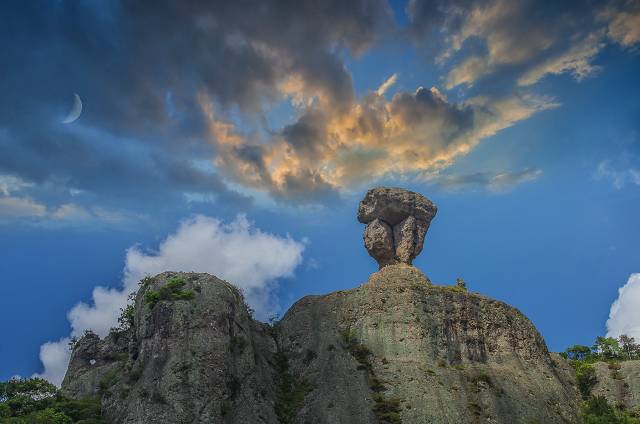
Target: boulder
[397,222]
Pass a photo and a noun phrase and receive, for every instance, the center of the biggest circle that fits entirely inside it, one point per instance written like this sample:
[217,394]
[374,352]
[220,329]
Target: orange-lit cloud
[328,150]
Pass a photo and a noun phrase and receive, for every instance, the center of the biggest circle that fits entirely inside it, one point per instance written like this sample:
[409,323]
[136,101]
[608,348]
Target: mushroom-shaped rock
[392,205]
[397,222]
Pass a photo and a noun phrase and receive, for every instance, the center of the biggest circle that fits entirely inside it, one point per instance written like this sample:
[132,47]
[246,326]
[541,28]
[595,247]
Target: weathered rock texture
[619,383]
[203,360]
[397,222]
[448,356]
[396,349]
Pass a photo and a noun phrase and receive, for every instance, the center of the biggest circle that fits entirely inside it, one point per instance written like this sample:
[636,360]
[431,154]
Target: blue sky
[522,127]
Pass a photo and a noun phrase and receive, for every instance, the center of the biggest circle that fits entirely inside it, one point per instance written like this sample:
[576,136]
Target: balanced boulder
[397,222]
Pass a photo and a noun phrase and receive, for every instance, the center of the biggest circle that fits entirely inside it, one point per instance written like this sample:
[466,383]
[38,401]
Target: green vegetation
[359,351]
[386,409]
[596,409]
[291,391]
[36,401]
[173,290]
[605,349]
[108,381]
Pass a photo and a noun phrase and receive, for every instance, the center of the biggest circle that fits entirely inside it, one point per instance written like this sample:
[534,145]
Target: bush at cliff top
[173,290]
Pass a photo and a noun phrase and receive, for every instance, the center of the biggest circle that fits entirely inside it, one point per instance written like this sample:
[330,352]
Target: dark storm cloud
[138,66]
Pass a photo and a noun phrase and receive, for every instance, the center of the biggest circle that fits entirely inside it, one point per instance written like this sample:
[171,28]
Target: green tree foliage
[173,290]
[36,401]
[629,347]
[578,352]
[607,348]
[596,409]
[586,377]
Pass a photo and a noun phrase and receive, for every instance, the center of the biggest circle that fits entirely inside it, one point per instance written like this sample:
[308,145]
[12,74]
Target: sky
[237,138]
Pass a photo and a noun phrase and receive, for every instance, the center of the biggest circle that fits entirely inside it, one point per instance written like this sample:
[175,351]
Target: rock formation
[397,349]
[397,222]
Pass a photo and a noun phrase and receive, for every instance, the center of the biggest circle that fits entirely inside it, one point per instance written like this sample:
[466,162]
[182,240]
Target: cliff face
[198,360]
[396,349]
[619,383]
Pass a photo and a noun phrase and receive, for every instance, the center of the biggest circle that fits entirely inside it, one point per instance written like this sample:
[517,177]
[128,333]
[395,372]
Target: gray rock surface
[397,222]
[392,205]
[619,383]
[447,355]
[378,239]
[201,360]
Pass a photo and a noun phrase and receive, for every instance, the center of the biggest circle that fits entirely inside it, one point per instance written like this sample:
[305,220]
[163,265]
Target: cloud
[496,182]
[329,151]
[10,184]
[55,360]
[624,23]
[250,258]
[617,177]
[142,122]
[19,207]
[576,60]
[387,84]
[624,316]
[481,38]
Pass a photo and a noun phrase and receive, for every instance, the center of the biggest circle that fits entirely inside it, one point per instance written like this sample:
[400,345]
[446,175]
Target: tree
[629,346]
[608,348]
[37,401]
[578,352]
[22,396]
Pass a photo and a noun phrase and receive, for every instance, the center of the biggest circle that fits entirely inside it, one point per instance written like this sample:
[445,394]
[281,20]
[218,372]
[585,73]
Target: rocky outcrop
[397,343]
[619,382]
[397,223]
[196,360]
[396,349]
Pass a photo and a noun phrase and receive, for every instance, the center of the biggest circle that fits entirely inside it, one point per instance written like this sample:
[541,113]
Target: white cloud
[247,257]
[10,184]
[624,316]
[55,358]
[387,84]
[618,177]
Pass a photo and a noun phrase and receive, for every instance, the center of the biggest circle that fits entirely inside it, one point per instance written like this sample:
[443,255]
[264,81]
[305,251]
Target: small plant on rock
[173,290]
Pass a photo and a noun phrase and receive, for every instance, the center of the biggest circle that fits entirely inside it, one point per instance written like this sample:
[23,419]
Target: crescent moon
[75,111]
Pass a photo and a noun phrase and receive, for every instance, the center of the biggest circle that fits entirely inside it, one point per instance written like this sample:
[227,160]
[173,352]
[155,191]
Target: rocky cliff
[396,349]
